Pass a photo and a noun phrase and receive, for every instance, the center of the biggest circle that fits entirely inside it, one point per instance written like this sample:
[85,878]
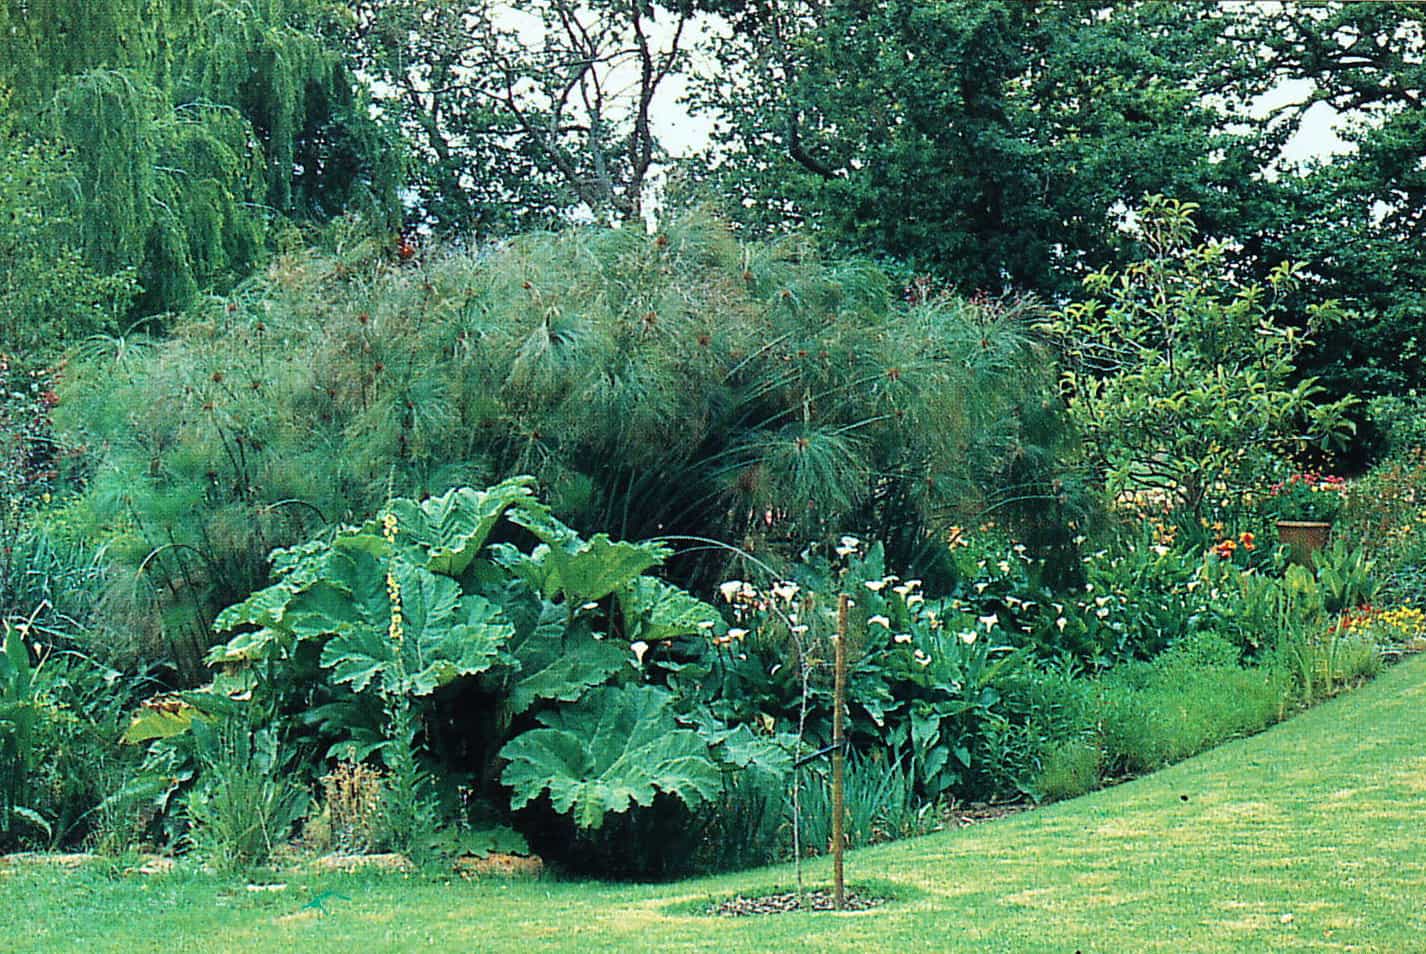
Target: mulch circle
[816,900]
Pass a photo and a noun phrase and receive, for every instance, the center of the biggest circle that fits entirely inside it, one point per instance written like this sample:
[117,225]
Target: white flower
[1160,549]
[968,637]
[914,599]
[921,657]
[1003,566]
[1100,600]
[590,606]
[639,649]
[875,585]
[913,583]
[1019,548]
[786,591]
[736,633]
[730,589]
[980,587]
[799,630]
[989,622]
[706,624]
[882,620]
[1102,612]
[902,590]
[852,542]
[1078,539]
[901,638]
[1061,623]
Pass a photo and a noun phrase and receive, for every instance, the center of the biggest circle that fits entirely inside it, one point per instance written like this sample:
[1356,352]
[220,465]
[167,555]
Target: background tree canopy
[183,131]
[997,144]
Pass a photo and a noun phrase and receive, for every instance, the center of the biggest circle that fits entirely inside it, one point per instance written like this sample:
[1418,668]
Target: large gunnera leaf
[615,749]
[582,570]
[452,528]
[555,661]
[444,635]
[655,610]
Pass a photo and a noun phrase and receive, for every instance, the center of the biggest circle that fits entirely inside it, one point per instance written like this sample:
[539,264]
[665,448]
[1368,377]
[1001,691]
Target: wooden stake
[839,700]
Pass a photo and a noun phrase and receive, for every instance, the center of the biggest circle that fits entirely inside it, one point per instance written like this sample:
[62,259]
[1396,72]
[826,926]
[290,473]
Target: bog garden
[386,480]
[330,568]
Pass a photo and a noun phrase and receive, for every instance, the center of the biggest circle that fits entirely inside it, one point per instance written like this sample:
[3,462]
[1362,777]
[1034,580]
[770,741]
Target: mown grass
[1304,838]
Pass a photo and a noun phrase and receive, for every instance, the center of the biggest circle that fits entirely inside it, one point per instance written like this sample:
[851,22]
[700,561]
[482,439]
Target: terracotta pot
[1303,538]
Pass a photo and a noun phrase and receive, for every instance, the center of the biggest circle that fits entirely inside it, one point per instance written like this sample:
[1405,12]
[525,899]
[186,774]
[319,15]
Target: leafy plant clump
[1182,379]
[472,672]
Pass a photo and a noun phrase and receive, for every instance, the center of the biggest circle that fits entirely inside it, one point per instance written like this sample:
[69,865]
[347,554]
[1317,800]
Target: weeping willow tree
[190,127]
[677,384]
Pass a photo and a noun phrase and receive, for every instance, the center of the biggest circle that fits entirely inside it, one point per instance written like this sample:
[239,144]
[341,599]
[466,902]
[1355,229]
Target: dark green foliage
[881,804]
[1357,220]
[248,799]
[49,293]
[678,383]
[990,142]
[39,572]
[187,130]
[60,719]
[410,641]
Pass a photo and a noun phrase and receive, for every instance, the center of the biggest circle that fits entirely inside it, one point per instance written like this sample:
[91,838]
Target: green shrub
[1070,769]
[880,798]
[246,802]
[1400,420]
[558,679]
[61,715]
[1154,714]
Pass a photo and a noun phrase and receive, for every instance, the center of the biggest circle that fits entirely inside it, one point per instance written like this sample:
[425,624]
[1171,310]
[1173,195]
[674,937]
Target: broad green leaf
[453,527]
[263,609]
[165,716]
[617,748]
[655,610]
[444,635]
[558,665]
[584,570]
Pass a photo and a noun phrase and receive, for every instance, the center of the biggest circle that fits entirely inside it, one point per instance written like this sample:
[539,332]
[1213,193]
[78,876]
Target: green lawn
[1306,838]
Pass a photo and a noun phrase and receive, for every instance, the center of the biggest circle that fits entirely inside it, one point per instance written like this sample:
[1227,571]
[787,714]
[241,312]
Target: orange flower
[1224,549]
[1247,539]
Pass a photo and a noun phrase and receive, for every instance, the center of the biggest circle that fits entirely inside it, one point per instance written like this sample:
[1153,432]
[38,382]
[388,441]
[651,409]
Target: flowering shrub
[927,677]
[1307,496]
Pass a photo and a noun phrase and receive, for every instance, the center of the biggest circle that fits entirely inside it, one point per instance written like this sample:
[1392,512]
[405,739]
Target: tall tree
[1358,221]
[992,141]
[189,126]
[523,113]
